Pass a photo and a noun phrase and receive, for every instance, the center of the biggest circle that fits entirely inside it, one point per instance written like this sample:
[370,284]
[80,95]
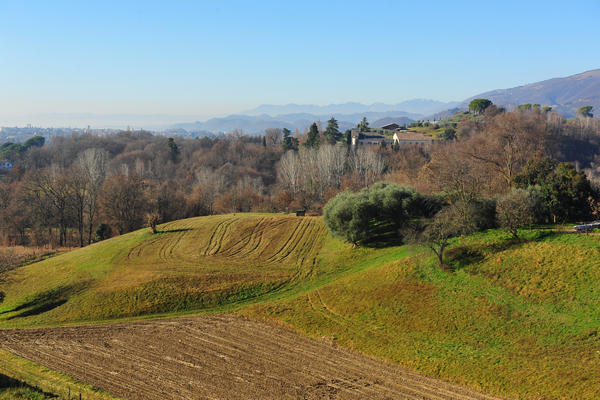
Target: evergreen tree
[363,125]
[313,140]
[173,149]
[332,133]
[289,142]
[565,191]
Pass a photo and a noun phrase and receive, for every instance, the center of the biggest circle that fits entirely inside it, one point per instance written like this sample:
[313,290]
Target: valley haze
[565,95]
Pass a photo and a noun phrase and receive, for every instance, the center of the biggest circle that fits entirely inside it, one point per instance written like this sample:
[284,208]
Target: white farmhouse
[403,138]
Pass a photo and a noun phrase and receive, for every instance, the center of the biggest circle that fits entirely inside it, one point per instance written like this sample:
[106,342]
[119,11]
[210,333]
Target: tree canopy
[375,215]
[585,111]
[478,106]
[9,149]
[332,133]
[312,138]
[515,210]
[363,125]
[289,142]
[449,222]
[173,148]
[565,191]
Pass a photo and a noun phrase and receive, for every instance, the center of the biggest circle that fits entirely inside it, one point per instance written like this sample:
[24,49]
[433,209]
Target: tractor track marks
[219,357]
[218,235]
[250,240]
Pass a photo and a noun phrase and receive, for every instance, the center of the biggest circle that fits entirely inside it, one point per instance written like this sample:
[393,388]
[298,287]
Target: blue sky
[203,58]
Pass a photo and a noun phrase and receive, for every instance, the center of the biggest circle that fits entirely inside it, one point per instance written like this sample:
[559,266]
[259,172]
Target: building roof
[371,137]
[412,136]
[392,126]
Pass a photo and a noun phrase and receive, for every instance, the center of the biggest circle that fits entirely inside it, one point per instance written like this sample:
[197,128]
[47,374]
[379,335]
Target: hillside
[515,318]
[565,95]
[192,264]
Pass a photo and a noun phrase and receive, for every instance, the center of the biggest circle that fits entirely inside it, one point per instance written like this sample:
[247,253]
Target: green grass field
[518,318]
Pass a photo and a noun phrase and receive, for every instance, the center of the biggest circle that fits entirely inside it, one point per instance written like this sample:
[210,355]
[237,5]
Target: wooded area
[81,188]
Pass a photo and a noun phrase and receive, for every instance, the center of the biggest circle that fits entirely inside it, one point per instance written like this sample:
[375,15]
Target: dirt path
[219,357]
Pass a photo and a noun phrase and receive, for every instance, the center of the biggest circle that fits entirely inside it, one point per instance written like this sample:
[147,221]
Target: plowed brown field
[219,357]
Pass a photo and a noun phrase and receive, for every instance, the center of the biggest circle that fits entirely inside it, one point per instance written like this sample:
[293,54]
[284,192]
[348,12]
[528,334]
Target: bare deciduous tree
[273,136]
[515,210]
[124,202]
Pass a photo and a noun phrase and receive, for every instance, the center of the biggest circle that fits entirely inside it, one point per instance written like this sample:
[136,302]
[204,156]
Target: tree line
[80,188]
[502,170]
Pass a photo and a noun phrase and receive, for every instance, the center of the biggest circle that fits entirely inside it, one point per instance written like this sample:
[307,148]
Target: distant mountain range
[256,124]
[415,106]
[565,95]
[300,116]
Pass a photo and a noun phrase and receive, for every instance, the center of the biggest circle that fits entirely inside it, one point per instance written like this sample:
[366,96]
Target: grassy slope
[194,264]
[516,318]
[210,263]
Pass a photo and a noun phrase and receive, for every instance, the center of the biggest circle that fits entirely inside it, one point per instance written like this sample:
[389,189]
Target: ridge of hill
[564,94]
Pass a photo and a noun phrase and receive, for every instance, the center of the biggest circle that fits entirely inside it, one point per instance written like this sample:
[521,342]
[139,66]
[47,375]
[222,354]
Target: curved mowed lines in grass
[209,243]
[201,263]
[169,253]
[218,235]
[261,240]
[310,248]
[140,249]
[225,235]
[291,242]
[319,306]
[244,236]
[303,245]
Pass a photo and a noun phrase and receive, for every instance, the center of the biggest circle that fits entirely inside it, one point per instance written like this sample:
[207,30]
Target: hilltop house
[6,165]
[360,138]
[405,138]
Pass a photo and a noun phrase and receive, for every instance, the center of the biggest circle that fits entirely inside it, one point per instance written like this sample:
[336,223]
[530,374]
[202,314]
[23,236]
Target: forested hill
[565,95]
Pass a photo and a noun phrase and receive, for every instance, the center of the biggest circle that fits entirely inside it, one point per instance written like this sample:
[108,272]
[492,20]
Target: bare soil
[219,357]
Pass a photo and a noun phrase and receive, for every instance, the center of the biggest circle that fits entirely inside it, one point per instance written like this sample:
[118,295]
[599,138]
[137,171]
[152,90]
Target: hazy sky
[203,58]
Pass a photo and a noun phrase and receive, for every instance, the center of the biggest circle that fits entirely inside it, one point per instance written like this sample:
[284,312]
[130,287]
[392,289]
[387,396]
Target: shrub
[103,232]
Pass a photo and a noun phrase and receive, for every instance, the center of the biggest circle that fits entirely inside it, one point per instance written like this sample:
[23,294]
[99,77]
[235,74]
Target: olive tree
[373,216]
